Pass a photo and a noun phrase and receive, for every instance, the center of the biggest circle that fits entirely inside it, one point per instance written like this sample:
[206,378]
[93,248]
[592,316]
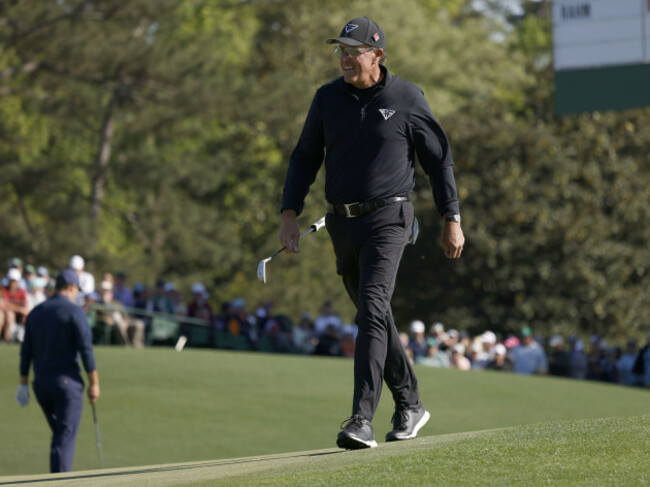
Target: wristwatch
[452,218]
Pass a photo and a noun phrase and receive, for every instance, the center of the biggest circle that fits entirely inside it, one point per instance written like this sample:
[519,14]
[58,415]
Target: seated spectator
[159,302]
[609,370]
[36,291]
[453,337]
[241,323]
[121,291]
[328,342]
[176,297]
[458,359]
[110,313]
[477,357]
[559,360]
[86,279]
[278,331]
[500,362]
[199,307]
[489,340]
[303,334]
[327,318]
[417,340]
[435,357]
[404,340]
[529,356]
[348,337]
[437,331]
[16,263]
[13,306]
[625,365]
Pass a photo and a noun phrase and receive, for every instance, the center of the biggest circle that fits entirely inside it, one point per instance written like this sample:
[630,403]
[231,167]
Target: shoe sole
[351,443]
[424,420]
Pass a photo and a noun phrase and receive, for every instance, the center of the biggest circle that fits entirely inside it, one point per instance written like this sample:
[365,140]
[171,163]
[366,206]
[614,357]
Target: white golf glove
[22,396]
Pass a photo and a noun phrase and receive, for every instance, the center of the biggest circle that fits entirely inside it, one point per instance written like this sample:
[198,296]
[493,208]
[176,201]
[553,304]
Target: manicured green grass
[159,406]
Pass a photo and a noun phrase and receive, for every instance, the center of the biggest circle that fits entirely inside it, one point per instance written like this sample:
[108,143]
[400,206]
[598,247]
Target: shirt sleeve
[305,161]
[84,339]
[26,350]
[434,154]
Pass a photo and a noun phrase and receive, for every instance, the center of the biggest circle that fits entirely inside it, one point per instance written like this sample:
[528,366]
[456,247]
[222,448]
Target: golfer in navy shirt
[56,332]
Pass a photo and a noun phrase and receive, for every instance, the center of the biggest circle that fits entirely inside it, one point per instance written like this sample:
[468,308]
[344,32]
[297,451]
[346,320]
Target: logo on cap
[350,27]
[375,37]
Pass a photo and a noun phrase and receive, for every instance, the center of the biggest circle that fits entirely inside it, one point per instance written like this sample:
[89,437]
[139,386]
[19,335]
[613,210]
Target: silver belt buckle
[347,209]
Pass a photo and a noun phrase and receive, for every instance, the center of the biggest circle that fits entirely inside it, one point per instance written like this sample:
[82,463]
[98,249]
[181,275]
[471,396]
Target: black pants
[61,399]
[368,252]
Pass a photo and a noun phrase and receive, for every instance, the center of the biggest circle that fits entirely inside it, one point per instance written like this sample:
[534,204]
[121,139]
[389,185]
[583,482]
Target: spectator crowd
[120,314]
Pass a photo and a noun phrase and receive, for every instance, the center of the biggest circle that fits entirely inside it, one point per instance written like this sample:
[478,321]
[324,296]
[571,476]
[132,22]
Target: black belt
[352,210]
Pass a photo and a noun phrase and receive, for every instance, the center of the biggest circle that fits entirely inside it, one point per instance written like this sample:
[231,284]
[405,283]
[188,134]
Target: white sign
[597,33]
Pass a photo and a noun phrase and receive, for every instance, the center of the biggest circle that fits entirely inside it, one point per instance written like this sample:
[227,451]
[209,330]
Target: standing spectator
[529,356]
[159,302]
[16,263]
[303,334]
[625,365]
[328,342]
[609,370]
[595,357]
[417,341]
[500,362]
[56,332]
[326,318]
[121,291]
[86,279]
[642,364]
[578,358]
[241,323]
[489,340]
[559,361]
[13,305]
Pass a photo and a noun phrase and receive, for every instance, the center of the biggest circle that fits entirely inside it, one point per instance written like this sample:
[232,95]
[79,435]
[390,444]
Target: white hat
[14,274]
[417,327]
[106,286]
[500,349]
[438,327]
[77,262]
[198,288]
[42,271]
[459,348]
[556,340]
[489,337]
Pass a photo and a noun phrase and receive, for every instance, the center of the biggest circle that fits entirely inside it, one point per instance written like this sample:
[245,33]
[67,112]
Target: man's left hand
[453,240]
[22,396]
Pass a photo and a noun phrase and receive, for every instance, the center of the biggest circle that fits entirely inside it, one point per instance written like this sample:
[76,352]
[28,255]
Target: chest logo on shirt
[350,27]
[386,113]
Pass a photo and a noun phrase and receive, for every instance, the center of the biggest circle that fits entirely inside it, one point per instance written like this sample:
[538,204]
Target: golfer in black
[368,126]
[56,332]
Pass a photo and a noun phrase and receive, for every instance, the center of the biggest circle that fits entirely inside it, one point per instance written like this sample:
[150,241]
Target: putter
[97,439]
[261,268]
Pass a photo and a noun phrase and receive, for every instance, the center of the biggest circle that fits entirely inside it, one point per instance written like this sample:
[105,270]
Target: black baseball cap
[67,277]
[361,31]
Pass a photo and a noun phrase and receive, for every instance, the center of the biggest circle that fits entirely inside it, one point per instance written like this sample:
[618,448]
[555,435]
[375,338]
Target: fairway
[593,453]
[160,407]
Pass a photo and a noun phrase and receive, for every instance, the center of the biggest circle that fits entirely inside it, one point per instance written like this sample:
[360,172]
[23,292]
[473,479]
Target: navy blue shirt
[369,141]
[56,331]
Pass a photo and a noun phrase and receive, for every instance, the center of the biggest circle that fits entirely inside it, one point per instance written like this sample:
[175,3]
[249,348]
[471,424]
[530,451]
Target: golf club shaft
[97,438]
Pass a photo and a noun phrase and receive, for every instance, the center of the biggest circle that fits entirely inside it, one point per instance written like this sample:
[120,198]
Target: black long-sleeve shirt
[56,331]
[369,148]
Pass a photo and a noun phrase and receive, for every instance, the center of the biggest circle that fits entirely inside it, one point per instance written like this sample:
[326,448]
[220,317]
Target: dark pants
[368,252]
[61,399]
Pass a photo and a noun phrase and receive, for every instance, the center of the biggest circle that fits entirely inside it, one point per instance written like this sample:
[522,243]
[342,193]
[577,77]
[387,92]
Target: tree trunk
[101,163]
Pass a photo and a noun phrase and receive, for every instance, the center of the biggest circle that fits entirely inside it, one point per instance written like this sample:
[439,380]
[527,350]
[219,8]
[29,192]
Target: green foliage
[207,99]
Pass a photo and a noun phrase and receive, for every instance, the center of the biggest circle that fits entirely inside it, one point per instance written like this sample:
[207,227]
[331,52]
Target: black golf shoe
[357,433]
[407,423]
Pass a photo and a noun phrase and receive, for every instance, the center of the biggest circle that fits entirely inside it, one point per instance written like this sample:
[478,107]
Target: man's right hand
[289,235]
